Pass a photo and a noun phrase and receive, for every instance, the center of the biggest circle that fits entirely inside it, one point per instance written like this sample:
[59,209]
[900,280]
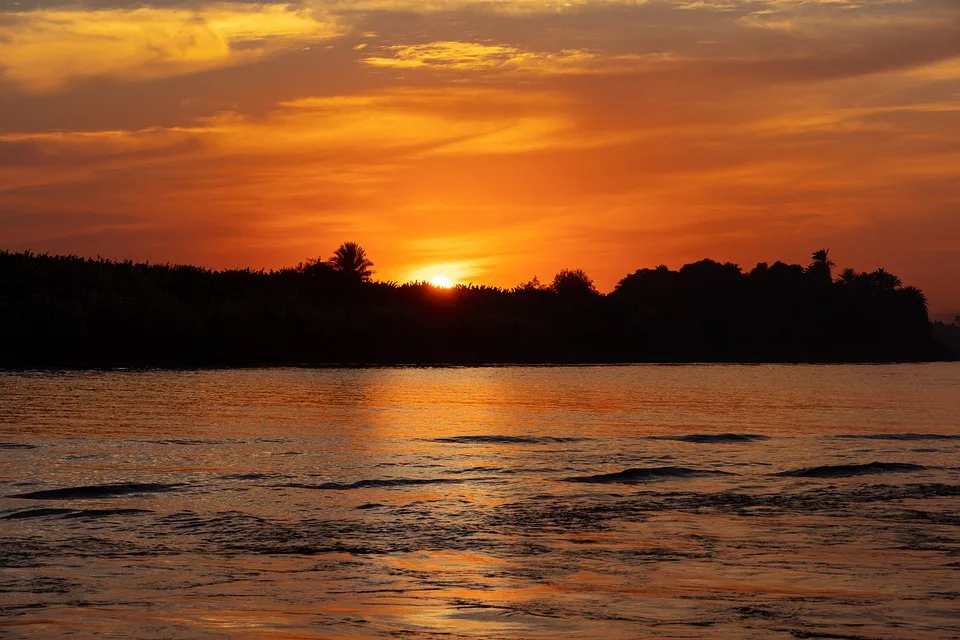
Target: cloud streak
[481,57]
[46,50]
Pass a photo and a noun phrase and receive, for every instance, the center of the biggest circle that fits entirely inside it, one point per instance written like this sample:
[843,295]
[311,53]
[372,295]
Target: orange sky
[489,141]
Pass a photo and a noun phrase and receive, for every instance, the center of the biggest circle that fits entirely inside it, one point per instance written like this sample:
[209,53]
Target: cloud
[473,56]
[400,123]
[44,50]
[414,122]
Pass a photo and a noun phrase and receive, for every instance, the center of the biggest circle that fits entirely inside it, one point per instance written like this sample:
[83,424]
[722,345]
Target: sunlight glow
[441,282]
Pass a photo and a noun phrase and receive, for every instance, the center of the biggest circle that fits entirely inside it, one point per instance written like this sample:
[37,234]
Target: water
[607,502]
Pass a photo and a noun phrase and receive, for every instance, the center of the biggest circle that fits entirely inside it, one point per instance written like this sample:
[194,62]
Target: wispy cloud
[44,50]
[474,56]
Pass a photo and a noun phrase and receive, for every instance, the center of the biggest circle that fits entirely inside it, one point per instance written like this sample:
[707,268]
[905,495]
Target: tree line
[68,311]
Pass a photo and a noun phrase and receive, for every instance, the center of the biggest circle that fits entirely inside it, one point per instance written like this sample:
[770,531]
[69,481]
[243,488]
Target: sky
[486,141]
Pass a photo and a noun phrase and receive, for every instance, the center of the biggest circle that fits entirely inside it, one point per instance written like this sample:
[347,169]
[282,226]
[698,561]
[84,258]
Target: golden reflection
[250,546]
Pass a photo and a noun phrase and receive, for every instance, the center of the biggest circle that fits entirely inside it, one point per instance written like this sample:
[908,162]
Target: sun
[441,282]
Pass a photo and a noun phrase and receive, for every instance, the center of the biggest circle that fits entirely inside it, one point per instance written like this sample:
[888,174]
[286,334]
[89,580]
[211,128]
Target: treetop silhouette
[351,260]
[573,282]
[70,311]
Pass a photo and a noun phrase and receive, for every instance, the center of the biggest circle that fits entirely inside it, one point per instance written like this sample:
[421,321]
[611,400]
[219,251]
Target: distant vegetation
[947,337]
[69,311]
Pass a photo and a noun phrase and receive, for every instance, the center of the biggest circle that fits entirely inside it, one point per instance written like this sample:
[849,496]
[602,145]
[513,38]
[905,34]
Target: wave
[103,513]
[96,491]
[899,436]
[71,513]
[715,438]
[849,470]
[190,441]
[477,470]
[204,441]
[35,513]
[252,476]
[494,439]
[374,483]
[221,524]
[822,499]
[648,474]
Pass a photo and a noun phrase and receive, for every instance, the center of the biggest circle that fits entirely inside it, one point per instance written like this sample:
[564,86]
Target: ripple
[96,491]
[105,513]
[252,476]
[28,514]
[495,439]
[191,441]
[849,470]
[715,438]
[381,483]
[647,474]
[478,470]
[899,436]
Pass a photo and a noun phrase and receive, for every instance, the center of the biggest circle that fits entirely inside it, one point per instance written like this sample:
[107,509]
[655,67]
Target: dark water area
[560,502]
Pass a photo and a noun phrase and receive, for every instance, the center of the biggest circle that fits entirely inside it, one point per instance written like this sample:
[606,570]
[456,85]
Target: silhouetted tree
[915,295]
[822,256]
[821,266]
[573,283]
[885,281]
[351,259]
[69,311]
[530,285]
[848,276]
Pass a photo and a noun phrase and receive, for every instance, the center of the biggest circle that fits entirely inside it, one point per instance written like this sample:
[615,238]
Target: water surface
[555,502]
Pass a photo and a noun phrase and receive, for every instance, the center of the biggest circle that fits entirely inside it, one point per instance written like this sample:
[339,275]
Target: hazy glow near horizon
[441,282]
[493,140]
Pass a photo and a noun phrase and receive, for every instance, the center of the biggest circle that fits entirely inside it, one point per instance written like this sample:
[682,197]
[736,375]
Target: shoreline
[465,365]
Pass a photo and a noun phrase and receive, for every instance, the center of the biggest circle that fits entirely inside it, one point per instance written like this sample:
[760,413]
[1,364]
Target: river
[504,502]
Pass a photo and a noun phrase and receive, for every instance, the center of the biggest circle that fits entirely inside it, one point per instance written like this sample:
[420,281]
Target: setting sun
[441,282]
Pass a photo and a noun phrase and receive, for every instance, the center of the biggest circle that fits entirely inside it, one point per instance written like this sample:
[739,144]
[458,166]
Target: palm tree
[916,294]
[822,256]
[884,280]
[848,276]
[351,260]
[821,265]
